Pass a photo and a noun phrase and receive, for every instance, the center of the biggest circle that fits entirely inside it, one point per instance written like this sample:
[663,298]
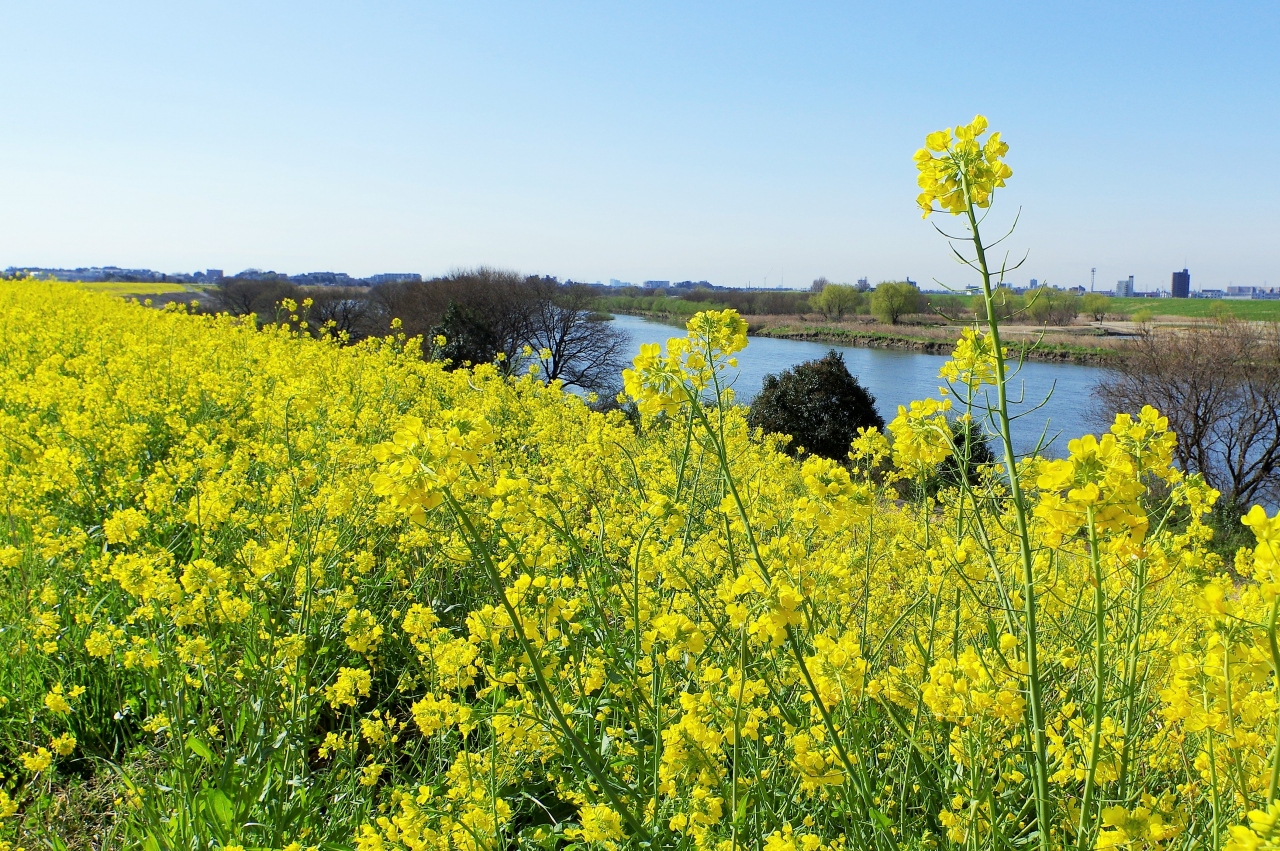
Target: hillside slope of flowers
[276,593]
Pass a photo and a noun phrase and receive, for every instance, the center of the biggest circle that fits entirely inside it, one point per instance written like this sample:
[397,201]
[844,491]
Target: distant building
[1076,290]
[1209,294]
[393,277]
[1124,289]
[1239,291]
[98,273]
[656,284]
[213,275]
[1034,284]
[1181,284]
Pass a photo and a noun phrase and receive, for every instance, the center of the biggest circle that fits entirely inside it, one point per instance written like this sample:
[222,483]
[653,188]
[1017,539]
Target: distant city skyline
[1179,281]
[1131,283]
[660,141]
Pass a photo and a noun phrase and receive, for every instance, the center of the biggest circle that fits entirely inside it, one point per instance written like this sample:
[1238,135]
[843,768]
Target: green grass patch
[1262,310]
[130,287]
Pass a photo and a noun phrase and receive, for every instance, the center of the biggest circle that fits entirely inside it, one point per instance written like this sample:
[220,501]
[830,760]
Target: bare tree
[244,296]
[341,312]
[499,302]
[1219,385]
[573,343]
[484,312]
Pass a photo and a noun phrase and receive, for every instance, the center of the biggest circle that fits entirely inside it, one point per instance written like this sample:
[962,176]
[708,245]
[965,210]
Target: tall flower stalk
[959,175]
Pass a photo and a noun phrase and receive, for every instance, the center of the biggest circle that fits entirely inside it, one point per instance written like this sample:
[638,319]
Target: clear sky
[728,141]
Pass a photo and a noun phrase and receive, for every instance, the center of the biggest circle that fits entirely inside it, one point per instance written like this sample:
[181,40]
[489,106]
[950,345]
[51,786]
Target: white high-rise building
[1124,289]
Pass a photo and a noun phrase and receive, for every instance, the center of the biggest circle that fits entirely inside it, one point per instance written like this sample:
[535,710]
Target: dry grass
[79,815]
[1077,336]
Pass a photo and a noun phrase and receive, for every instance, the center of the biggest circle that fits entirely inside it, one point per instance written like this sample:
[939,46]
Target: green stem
[1275,673]
[597,771]
[1040,759]
[1241,783]
[1131,683]
[792,639]
[1215,801]
[1099,661]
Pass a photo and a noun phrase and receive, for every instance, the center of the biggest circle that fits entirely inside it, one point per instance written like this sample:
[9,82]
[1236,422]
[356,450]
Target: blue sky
[725,141]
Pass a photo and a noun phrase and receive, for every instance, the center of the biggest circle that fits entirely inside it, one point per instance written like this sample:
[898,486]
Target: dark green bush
[469,340]
[819,404]
[974,451]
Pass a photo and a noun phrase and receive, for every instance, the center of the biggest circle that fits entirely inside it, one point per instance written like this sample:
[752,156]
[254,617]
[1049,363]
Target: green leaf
[199,748]
[223,811]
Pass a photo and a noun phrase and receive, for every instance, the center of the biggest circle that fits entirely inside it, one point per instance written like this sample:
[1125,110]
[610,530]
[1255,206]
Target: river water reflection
[896,377]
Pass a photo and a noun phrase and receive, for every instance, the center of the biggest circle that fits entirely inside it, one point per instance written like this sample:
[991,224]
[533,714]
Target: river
[896,377]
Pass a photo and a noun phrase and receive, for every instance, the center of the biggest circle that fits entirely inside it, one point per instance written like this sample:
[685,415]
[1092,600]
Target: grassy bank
[1027,341]
[1030,348]
[1259,310]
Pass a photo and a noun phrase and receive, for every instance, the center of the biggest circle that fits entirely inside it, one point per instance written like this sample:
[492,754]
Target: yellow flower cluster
[663,383]
[921,434]
[973,362]
[957,169]
[1103,478]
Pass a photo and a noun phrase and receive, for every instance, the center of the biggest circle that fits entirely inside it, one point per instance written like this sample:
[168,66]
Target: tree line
[889,302]
[484,315]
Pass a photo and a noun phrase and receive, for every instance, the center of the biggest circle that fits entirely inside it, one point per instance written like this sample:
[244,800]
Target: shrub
[774,303]
[468,338]
[835,300]
[973,453]
[253,296]
[1052,307]
[1005,305]
[948,305]
[892,300]
[1096,305]
[819,404]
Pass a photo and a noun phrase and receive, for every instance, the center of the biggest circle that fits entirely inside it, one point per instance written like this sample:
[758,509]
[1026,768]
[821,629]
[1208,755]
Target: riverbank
[1029,342]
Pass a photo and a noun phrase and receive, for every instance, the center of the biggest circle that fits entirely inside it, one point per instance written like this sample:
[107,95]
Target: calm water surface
[896,377]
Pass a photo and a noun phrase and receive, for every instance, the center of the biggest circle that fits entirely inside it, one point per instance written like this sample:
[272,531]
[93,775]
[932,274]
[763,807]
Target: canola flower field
[266,591]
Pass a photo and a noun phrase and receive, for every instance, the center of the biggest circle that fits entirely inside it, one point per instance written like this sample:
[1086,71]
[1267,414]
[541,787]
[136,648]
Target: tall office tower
[1182,284]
